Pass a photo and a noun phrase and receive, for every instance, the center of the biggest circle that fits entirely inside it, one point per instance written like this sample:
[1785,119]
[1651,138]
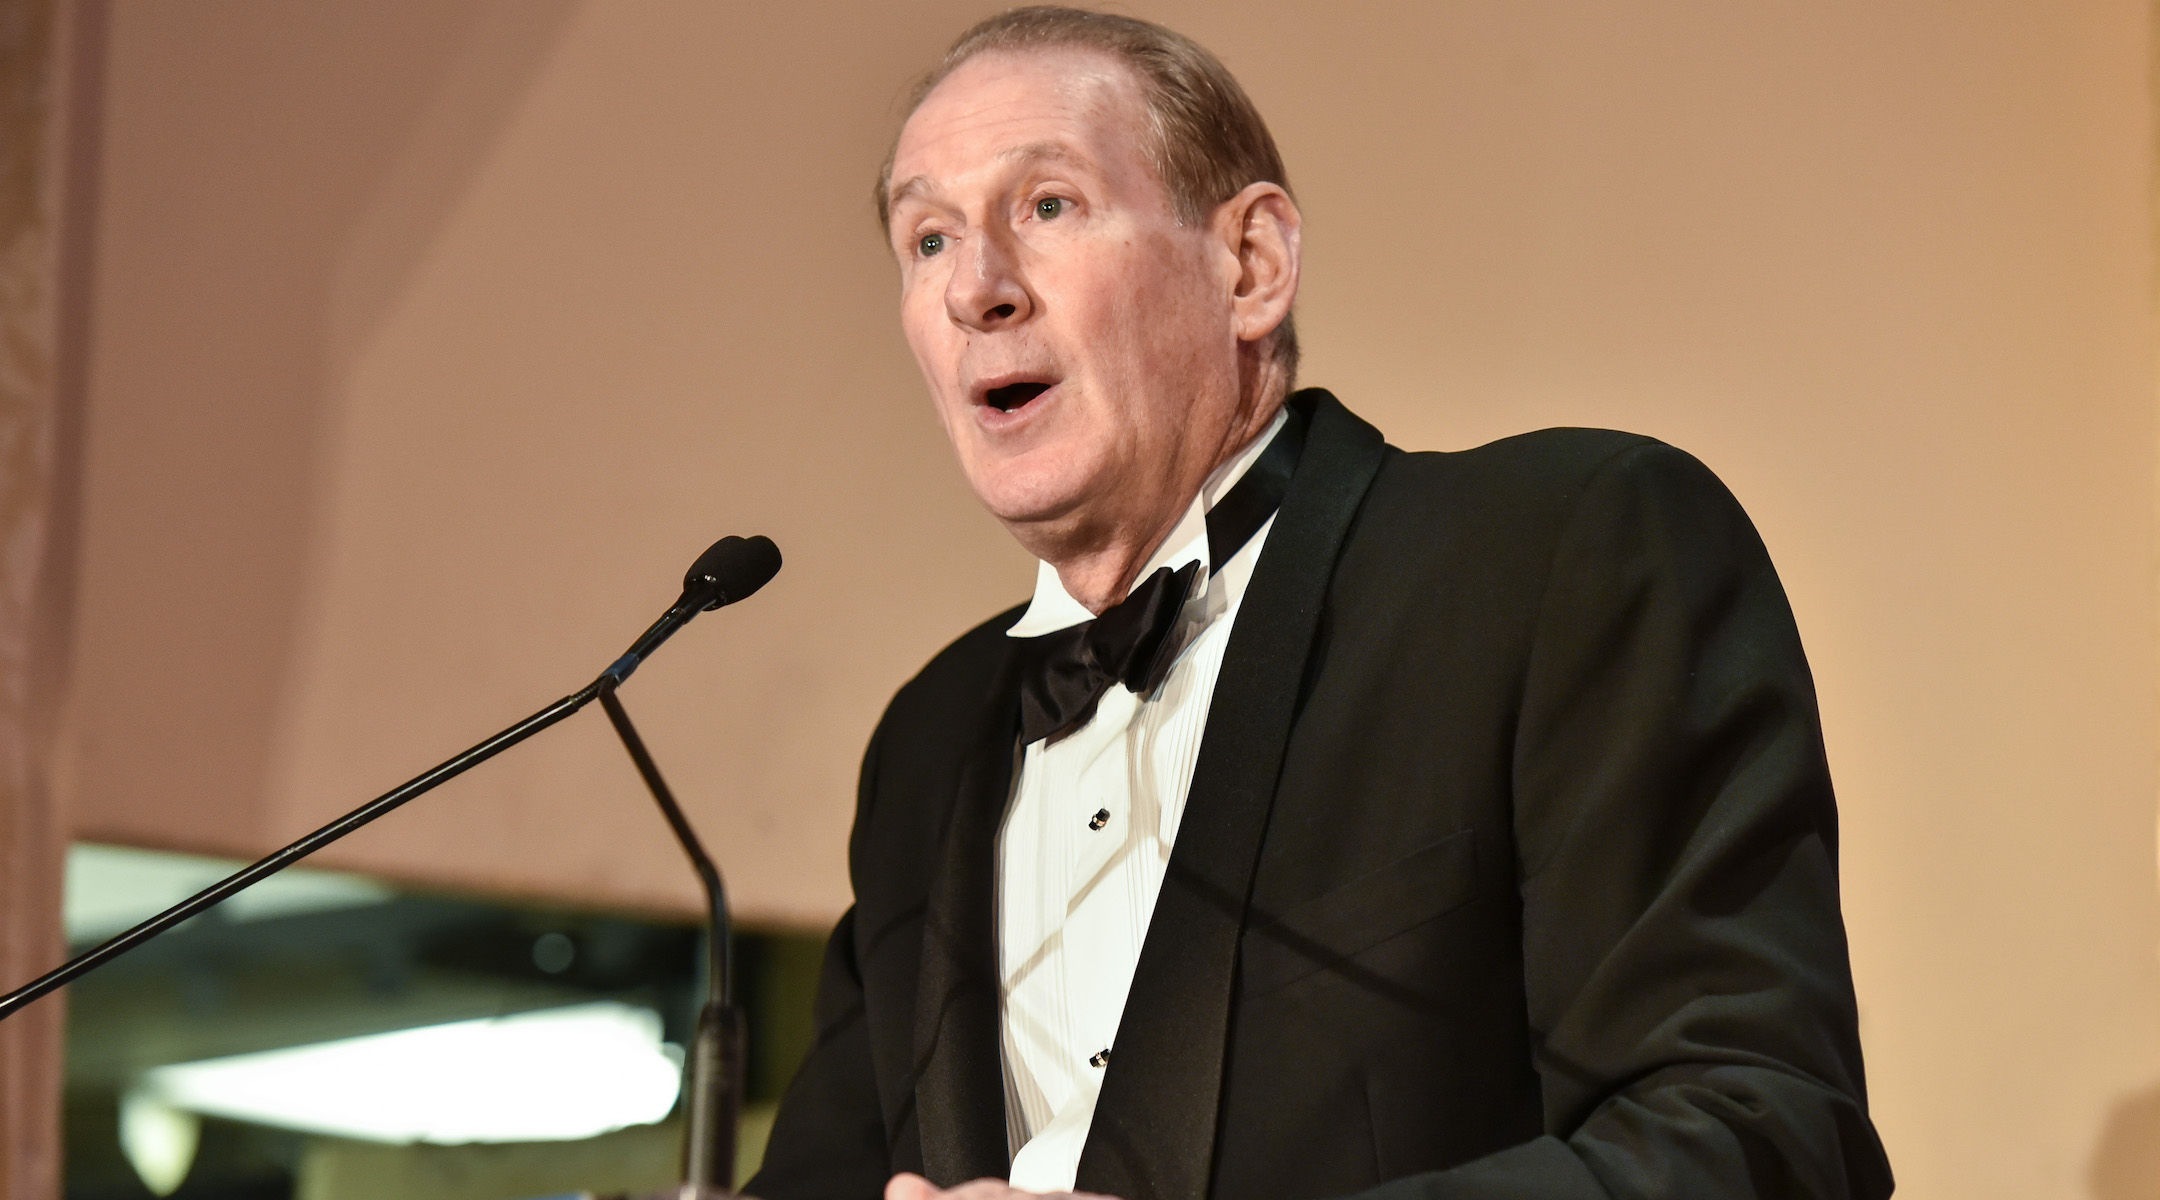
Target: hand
[906,1186]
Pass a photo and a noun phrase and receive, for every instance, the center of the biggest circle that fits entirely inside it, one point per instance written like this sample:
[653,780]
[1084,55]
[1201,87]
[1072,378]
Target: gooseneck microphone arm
[730,570]
[263,868]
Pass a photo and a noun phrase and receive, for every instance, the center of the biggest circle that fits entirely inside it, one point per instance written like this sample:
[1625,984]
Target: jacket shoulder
[963,668]
[1497,518]
[932,709]
[1542,459]
[1546,473]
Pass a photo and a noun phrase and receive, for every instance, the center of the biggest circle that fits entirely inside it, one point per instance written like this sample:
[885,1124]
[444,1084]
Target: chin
[1018,496]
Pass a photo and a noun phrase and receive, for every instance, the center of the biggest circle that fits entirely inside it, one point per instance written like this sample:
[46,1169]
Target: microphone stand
[713,1069]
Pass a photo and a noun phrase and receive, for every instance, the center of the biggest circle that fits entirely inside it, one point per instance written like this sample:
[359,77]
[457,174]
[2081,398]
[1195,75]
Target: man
[1334,819]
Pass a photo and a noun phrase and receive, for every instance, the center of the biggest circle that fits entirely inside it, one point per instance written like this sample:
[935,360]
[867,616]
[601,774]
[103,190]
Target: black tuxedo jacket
[1508,870]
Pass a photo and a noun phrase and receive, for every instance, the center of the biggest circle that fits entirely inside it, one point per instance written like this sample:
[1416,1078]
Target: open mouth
[1013,395]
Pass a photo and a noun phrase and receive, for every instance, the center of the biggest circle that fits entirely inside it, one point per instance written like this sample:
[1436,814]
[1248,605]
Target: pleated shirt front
[1083,847]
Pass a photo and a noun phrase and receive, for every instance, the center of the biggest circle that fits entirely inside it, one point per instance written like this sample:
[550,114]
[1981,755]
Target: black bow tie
[1130,642]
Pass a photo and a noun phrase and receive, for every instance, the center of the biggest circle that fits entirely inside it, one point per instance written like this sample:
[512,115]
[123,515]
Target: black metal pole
[713,1069]
[719,931]
[120,944]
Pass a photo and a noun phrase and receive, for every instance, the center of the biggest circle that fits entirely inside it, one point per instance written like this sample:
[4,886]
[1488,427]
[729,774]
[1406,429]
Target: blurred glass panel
[341,959]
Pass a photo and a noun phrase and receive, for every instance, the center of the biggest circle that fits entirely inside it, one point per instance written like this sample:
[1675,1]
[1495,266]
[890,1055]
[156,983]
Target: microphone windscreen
[731,569]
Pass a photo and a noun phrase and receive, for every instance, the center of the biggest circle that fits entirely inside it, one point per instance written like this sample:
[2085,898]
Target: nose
[986,291]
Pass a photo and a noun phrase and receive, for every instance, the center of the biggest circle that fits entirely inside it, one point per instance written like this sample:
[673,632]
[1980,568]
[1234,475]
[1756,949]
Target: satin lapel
[1153,1136]
[959,1081]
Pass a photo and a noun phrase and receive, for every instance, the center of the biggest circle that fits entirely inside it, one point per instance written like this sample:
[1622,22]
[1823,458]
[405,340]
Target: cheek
[1171,332]
[1165,298]
[932,340]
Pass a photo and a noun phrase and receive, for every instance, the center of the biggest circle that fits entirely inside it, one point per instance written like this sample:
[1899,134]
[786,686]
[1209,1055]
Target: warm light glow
[553,1075]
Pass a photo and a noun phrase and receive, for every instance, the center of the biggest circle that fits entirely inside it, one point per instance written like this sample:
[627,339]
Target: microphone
[729,570]
[714,1061]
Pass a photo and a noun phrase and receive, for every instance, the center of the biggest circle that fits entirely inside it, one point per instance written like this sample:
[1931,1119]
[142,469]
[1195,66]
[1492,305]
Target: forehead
[1002,105]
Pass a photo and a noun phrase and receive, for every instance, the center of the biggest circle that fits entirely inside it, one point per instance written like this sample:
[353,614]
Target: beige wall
[434,337]
[49,80]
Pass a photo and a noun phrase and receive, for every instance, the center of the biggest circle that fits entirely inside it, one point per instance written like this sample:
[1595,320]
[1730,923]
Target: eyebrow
[901,191]
[1027,152]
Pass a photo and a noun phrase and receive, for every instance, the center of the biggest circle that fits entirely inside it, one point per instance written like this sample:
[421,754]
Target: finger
[909,1186]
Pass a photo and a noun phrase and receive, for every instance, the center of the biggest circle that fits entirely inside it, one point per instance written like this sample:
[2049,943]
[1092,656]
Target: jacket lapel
[960,1082]
[1153,1137]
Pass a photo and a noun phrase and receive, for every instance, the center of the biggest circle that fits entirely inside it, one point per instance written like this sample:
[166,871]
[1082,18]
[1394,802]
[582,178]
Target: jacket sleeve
[828,1139]
[1689,994]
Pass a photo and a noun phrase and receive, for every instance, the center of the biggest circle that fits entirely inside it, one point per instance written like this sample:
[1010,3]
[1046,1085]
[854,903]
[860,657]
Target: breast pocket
[1333,927]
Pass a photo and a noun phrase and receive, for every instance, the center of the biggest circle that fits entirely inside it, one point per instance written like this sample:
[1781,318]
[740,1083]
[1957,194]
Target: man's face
[1078,341]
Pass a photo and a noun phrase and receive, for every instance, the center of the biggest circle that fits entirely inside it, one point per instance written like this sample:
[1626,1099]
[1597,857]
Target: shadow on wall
[2126,1163]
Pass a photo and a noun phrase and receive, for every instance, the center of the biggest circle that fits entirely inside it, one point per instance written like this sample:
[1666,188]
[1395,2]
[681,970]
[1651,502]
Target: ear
[1260,227]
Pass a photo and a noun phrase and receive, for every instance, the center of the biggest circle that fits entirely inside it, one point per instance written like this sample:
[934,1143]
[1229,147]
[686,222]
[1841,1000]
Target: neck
[1099,571]
[1100,577]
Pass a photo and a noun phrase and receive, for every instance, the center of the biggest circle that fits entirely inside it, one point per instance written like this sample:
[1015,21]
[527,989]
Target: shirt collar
[1053,608]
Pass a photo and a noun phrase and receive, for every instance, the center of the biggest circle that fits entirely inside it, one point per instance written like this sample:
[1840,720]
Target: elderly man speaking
[1334,819]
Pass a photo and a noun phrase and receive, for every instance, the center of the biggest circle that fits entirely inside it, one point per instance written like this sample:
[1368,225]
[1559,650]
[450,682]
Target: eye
[1049,208]
[929,244]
